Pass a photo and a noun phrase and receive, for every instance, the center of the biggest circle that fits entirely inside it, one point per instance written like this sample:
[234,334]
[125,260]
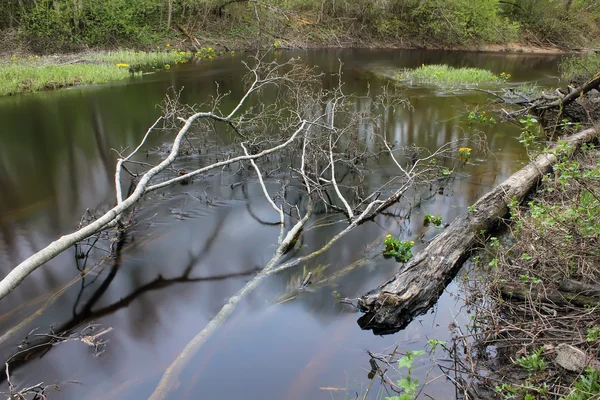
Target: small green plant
[206,52]
[529,131]
[504,76]
[593,335]
[532,363]
[476,117]
[526,391]
[494,262]
[586,387]
[434,343]
[401,250]
[494,242]
[464,154]
[472,209]
[408,383]
[432,220]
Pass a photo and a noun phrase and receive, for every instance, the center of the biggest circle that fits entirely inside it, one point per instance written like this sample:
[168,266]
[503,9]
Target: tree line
[60,23]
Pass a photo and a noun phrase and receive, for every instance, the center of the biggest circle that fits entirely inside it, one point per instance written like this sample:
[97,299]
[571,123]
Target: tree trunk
[419,283]
[169,14]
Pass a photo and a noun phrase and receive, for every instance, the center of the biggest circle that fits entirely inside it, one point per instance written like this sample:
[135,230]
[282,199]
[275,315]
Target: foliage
[529,132]
[464,154]
[394,247]
[432,219]
[586,387]
[476,117]
[408,383]
[553,237]
[580,68]
[64,23]
[206,52]
[58,24]
[527,391]
[143,61]
[593,335]
[452,21]
[532,363]
[447,76]
[556,22]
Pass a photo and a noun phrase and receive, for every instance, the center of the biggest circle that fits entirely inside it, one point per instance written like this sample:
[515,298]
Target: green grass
[143,61]
[445,75]
[33,74]
[16,79]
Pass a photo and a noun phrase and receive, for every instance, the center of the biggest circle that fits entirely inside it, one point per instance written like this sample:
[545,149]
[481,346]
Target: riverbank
[535,298]
[32,73]
[22,71]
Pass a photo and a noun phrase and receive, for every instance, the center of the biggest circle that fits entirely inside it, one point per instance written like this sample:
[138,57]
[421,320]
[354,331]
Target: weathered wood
[584,289]
[593,83]
[419,283]
[542,294]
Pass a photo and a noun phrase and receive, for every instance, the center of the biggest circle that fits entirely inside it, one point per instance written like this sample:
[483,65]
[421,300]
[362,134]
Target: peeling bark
[419,283]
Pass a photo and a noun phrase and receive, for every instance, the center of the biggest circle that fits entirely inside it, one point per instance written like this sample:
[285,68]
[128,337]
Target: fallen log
[418,284]
[580,288]
[547,295]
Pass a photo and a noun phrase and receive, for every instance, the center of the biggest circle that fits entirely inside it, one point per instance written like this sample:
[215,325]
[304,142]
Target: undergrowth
[529,305]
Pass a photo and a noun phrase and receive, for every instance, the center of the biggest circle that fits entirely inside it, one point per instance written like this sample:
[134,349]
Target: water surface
[194,246]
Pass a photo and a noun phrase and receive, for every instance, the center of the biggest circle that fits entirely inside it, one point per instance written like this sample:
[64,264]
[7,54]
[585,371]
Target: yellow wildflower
[122,65]
[464,149]
[168,45]
[389,235]
[412,242]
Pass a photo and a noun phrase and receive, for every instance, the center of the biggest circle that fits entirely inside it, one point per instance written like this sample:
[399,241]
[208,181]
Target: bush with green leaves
[580,68]
[59,23]
[400,250]
[432,220]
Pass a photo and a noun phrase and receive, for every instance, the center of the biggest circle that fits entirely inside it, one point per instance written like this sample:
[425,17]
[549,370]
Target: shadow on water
[196,245]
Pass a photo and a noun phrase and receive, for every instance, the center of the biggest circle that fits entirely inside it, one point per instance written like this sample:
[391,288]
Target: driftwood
[419,283]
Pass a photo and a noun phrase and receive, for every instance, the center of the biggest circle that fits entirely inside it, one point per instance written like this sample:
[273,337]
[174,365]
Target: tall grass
[141,60]
[32,74]
[445,75]
[16,79]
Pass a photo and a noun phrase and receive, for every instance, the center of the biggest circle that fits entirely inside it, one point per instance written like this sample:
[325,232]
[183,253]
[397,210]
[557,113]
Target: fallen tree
[311,134]
[419,283]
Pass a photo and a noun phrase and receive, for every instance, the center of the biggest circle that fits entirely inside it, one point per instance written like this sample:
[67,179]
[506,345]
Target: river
[194,246]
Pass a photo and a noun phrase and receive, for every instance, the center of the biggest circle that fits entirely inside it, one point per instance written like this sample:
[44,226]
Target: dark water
[195,246]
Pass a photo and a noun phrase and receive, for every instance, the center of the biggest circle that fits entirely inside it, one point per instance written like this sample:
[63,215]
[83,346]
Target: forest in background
[63,25]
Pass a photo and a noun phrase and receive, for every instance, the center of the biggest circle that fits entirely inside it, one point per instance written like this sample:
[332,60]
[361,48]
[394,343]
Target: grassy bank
[444,75]
[33,73]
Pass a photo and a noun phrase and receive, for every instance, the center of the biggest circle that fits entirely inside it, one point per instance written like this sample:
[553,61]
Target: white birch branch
[123,160]
[25,268]
[169,380]
[335,185]
[266,193]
